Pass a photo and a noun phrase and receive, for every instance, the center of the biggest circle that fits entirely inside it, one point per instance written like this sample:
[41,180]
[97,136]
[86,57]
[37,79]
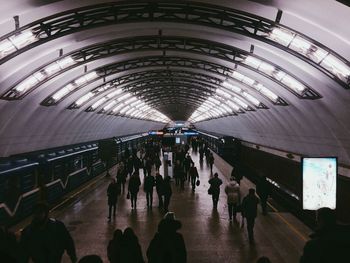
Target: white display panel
[177,140]
[319,182]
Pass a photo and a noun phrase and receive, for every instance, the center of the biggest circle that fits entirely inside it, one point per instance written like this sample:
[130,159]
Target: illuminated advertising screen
[319,182]
[178,140]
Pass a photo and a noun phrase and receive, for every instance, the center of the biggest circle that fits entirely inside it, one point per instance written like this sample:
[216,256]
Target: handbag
[128,195]
[198,182]
[210,191]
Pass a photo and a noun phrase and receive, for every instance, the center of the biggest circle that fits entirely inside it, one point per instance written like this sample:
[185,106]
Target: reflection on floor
[209,235]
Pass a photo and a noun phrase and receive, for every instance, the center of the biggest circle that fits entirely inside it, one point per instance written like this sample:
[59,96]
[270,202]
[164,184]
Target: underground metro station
[254,91]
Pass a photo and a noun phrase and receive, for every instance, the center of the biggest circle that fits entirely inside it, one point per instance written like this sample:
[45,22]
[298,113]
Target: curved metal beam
[152,61]
[219,17]
[130,79]
[163,43]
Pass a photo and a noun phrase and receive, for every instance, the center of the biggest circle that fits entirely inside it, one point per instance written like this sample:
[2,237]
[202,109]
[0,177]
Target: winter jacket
[233,193]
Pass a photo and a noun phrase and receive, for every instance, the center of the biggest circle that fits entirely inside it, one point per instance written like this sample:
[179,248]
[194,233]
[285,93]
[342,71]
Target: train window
[27,181]
[11,190]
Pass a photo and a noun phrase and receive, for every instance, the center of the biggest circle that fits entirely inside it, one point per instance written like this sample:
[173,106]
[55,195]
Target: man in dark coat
[159,188]
[249,211]
[263,191]
[330,242]
[215,183]
[167,192]
[113,191]
[133,188]
[148,188]
[45,239]
[167,246]
[193,175]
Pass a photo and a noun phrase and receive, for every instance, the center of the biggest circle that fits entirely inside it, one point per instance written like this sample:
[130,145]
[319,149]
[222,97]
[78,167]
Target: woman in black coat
[133,187]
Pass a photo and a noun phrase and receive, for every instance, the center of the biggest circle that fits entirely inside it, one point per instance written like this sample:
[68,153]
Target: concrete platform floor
[209,235]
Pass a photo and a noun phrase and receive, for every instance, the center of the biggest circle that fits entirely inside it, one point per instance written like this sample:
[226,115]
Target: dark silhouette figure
[211,161]
[46,239]
[193,175]
[148,188]
[330,242]
[201,154]
[157,162]
[113,191]
[133,188]
[237,175]
[130,165]
[114,249]
[90,259]
[121,177]
[249,211]
[187,164]
[177,172]
[167,246]
[8,246]
[159,189]
[167,192]
[263,191]
[130,247]
[215,183]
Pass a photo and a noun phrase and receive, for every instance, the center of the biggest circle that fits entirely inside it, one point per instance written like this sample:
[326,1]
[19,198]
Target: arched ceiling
[274,72]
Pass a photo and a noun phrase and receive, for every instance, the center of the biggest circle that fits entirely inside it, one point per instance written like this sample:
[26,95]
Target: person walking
[201,154]
[236,174]
[167,192]
[211,162]
[263,191]
[45,239]
[233,198]
[193,175]
[167,244]
[249,211]
[130,165]
[114,248]
[187,164]
[121,177]
[133,188]
[159,189]
[215,184]
[113,191]
[157,162]
[148,185]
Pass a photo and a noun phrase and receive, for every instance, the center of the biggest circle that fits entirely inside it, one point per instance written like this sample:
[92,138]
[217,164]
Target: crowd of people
[168,245]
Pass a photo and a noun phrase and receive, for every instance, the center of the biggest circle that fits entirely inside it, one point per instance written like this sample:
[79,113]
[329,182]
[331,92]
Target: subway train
[49,174]
[282,170]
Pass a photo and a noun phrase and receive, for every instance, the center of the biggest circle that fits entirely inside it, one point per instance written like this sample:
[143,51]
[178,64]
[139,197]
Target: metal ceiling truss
[152,61]
[219,17]
[144,75]
[163,43]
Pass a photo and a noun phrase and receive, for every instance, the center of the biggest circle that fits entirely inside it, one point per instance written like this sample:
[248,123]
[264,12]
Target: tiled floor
[209,235]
